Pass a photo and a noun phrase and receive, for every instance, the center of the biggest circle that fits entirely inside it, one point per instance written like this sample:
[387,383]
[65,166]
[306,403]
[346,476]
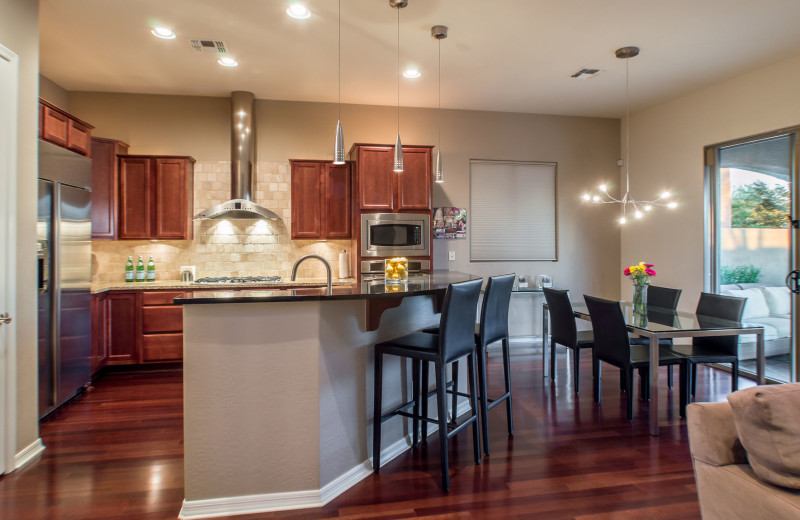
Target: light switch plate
[452,255]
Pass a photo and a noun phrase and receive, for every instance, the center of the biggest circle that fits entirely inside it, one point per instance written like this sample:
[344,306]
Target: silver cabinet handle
[5,318]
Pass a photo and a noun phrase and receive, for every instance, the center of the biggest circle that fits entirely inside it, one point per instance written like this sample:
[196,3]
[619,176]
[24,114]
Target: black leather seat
[563,331]
[612,345]
[715,349]
[492,328]
[455,341]
[659,298]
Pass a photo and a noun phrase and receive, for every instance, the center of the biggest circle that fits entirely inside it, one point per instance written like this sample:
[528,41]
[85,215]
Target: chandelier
[630,205]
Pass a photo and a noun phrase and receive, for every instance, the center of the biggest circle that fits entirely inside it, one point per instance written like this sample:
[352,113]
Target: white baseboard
[249,504]
[28,453]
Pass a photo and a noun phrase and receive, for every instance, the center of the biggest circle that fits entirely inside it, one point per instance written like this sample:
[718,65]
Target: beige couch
[727,484]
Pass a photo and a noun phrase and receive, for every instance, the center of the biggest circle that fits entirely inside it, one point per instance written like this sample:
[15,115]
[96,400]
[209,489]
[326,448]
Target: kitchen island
[278,389]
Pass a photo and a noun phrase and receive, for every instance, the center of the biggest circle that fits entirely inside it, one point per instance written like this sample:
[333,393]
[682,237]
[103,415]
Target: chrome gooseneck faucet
[327,266]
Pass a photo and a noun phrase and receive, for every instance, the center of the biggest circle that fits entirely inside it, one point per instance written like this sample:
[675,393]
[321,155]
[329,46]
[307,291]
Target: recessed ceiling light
[298,11]
[412,73]
[227,61]
[163,32]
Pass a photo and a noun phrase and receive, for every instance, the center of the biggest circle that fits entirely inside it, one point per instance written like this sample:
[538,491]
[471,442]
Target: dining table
[659,323]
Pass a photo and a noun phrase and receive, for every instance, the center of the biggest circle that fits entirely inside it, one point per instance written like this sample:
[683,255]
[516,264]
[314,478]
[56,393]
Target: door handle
[793,281]
[5,318]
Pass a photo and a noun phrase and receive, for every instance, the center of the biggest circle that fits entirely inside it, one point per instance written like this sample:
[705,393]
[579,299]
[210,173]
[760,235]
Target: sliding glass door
[752,197]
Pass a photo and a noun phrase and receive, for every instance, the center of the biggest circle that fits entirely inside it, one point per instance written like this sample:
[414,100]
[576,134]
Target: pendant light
[338,145]
[439,33]
[637,207]
[398,146]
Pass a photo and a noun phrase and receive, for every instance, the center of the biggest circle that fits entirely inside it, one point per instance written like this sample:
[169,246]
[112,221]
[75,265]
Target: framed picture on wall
[450,223]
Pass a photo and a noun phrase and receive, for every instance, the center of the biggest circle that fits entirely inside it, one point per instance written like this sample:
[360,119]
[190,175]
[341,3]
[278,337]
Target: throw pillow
[756,306]
[778,299]
[768,422]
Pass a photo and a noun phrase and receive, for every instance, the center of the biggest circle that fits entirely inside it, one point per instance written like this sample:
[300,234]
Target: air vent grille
[586,73]
[210,46]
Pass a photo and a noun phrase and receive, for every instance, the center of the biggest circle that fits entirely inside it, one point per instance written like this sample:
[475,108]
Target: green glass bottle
[151,270]
[129,270]
[140,274]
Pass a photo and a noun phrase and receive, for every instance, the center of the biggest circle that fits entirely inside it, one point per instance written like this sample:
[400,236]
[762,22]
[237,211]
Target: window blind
[512,211]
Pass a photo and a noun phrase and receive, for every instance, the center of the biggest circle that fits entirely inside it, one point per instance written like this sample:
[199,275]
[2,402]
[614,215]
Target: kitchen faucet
[327,266]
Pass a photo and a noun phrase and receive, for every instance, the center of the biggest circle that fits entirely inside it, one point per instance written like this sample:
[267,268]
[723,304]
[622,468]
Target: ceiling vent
[210,46]
[586,74]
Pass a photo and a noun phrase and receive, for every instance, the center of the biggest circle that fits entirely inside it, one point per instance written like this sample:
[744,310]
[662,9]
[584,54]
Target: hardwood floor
[117,452]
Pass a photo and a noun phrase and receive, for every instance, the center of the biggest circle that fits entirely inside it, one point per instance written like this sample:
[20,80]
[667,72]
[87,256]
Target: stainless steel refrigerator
[64,233]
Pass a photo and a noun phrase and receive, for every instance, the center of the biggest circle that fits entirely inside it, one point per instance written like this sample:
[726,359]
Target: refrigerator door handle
[42,266]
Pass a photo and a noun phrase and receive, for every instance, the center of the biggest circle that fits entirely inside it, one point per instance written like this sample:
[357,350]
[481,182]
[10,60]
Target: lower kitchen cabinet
[122,318]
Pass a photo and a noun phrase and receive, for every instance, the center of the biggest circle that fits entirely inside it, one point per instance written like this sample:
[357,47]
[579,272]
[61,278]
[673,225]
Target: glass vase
[640,299]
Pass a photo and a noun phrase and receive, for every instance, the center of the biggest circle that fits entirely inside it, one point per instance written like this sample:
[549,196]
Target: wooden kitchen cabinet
[382,190]
[99,311]
[61,128]
[155,197]
[123,326]
[162,327]
[321,200]
[105,186]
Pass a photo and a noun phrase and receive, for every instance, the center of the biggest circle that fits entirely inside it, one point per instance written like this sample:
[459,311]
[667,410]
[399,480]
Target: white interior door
[9,81]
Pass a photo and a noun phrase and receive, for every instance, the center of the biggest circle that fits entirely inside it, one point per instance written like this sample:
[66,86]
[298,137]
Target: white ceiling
[501,55]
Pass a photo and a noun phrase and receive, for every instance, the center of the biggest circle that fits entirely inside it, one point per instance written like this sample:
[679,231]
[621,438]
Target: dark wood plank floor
[117,452]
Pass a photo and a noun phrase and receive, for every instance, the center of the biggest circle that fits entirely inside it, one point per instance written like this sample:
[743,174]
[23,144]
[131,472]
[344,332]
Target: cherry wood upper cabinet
[414,182]
[336,202]
[375,178]
[134,197]
[61,128]
[105,175]
[155,197]
[306,199]
[321,200]
[380,189]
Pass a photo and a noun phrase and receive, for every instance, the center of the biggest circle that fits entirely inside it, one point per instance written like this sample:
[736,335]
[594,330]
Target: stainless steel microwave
[395,234]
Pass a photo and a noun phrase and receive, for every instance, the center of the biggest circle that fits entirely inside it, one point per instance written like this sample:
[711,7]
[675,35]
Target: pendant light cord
[439,112]
[340,60]
[398,71]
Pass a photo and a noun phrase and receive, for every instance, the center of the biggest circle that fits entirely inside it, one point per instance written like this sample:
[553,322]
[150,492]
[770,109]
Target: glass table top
[666,320]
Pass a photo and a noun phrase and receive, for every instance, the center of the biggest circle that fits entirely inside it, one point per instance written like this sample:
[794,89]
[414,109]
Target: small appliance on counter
[395,234]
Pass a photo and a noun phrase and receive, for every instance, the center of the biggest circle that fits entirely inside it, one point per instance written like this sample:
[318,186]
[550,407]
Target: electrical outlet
[452,255]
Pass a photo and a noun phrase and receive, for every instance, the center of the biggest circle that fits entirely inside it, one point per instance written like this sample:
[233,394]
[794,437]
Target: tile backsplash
[226,247]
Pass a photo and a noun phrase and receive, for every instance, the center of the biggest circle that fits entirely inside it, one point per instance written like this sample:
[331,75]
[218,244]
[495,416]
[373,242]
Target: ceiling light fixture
[625,53]
[338,144]
[298,11]
[398,146]
[227,61]
[163,33]
[412,74]
[439,33]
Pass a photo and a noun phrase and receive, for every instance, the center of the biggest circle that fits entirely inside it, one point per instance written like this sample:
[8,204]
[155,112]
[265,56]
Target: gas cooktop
[239,279]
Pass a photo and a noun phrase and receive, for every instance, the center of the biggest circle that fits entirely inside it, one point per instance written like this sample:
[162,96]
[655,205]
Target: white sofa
[769,307]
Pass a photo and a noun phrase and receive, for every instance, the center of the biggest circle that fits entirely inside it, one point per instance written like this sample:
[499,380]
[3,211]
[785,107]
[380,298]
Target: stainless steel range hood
[243,151]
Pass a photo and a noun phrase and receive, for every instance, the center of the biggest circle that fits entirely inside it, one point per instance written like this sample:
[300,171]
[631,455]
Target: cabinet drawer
[162,347]
[79,138]
[162,319]
[159,298]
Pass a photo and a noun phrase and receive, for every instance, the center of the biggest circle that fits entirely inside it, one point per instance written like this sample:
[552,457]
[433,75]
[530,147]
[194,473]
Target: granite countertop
[178,285]
[365,289]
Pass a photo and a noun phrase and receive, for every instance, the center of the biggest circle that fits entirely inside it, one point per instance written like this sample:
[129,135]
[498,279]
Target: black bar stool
[493,328]
[455,341]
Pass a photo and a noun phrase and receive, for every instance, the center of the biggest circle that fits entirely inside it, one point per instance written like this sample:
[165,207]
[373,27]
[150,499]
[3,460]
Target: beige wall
[666,151]
[53,92]
[586,150]
[19,31]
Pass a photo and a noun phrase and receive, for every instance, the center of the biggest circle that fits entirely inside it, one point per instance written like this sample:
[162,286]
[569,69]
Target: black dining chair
[612,345]
[563,331]
[455,341]
[714,349]
[660,298]
[493,327]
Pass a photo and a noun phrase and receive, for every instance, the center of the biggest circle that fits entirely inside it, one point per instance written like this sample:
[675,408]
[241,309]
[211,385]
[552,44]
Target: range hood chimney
[243,155]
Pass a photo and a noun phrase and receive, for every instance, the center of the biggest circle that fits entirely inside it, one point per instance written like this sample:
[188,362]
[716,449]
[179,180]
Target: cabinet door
[134,197]
[79,138]
[54,126]
[336,201]
[170,199]
[306,200]
[123,332]
[99,332]
[375,178]
[414,183]
[104,187]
